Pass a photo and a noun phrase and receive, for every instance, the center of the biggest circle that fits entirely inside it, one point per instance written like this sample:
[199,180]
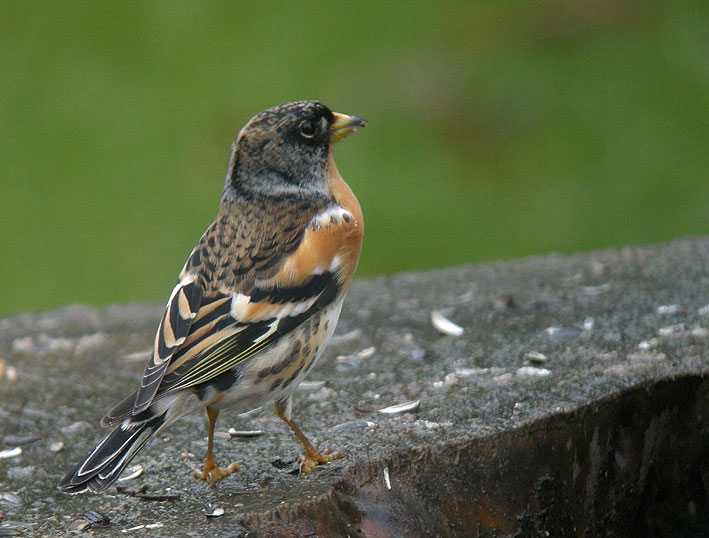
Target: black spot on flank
[276,384]
[306,350]
[347,218]
[220,383]
[291,378]
[333,219]
[263,373]
[210,241]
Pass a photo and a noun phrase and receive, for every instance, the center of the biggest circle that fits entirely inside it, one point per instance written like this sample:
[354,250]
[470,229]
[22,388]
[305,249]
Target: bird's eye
[308,128]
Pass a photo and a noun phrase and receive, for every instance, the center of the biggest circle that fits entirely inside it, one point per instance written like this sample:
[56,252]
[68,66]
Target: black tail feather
[104,464]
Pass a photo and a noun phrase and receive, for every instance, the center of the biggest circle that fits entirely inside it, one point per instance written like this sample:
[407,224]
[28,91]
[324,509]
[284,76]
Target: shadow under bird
[258,298]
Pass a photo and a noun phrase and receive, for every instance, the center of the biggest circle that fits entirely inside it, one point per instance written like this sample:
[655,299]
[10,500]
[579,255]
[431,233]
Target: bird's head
[285,149]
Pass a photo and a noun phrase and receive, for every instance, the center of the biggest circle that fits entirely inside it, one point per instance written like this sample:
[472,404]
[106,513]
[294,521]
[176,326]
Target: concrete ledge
[575,403]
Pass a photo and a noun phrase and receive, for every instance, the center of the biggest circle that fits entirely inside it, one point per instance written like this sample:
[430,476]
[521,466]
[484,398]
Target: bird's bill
[344,125]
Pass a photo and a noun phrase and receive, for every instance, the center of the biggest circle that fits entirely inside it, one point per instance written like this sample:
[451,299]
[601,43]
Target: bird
[258,298]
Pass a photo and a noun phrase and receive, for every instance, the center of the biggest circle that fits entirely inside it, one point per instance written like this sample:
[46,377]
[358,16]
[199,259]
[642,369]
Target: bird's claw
[310,459]
[214,473]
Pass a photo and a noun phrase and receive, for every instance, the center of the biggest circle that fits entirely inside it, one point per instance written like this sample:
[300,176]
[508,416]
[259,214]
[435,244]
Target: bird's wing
[183,306]
[243,323]
[204,334]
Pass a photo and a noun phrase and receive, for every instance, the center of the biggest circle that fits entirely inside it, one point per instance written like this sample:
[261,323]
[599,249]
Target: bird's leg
[312,456]
[212,472]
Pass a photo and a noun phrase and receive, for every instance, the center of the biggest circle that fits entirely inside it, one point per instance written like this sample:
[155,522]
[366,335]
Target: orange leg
[212,472]
[312,456]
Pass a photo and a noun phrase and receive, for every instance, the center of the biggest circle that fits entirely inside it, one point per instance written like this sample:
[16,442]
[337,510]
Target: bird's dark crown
[282,151]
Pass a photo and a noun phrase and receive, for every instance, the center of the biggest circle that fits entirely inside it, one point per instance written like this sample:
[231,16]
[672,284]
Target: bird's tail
[104,464]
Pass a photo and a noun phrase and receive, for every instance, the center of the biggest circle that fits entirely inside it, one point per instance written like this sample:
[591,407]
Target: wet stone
[575,402]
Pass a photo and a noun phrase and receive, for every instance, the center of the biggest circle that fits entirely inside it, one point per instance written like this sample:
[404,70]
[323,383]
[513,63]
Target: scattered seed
[10,498]
[444,325]
[13,528]
[311,385]
[338,339]
[96,519]
[647,356]
[21,440]
[134,472]
[559,333]
[56,447]
[78,525]
[649,344]
[7,372]
[535,358]
[30,472]
[386,478]
[669,309]
[595,290]
[244,433]
[531,371]
[366,352]
[142,493]
[572,280]
[10,453]
[23,345]
[213,511]
[76,427]
[352,425]
[671,330]
[699,332]
[703,311]
[250,413]
[90,342]
[88,520]
[138,356]
[393,409]
[467,372]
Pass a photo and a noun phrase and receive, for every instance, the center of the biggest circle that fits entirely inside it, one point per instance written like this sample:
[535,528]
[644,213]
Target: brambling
[259,296]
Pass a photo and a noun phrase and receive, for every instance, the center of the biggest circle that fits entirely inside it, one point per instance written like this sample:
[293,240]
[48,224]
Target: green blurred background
[496,129]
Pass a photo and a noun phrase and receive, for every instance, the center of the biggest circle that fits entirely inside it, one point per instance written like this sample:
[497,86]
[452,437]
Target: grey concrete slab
[574,402]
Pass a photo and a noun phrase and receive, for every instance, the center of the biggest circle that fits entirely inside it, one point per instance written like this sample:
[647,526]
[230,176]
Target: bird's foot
[311,458]
[213,473]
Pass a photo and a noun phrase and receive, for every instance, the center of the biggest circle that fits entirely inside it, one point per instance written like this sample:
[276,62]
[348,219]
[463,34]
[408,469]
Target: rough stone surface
[574,404]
